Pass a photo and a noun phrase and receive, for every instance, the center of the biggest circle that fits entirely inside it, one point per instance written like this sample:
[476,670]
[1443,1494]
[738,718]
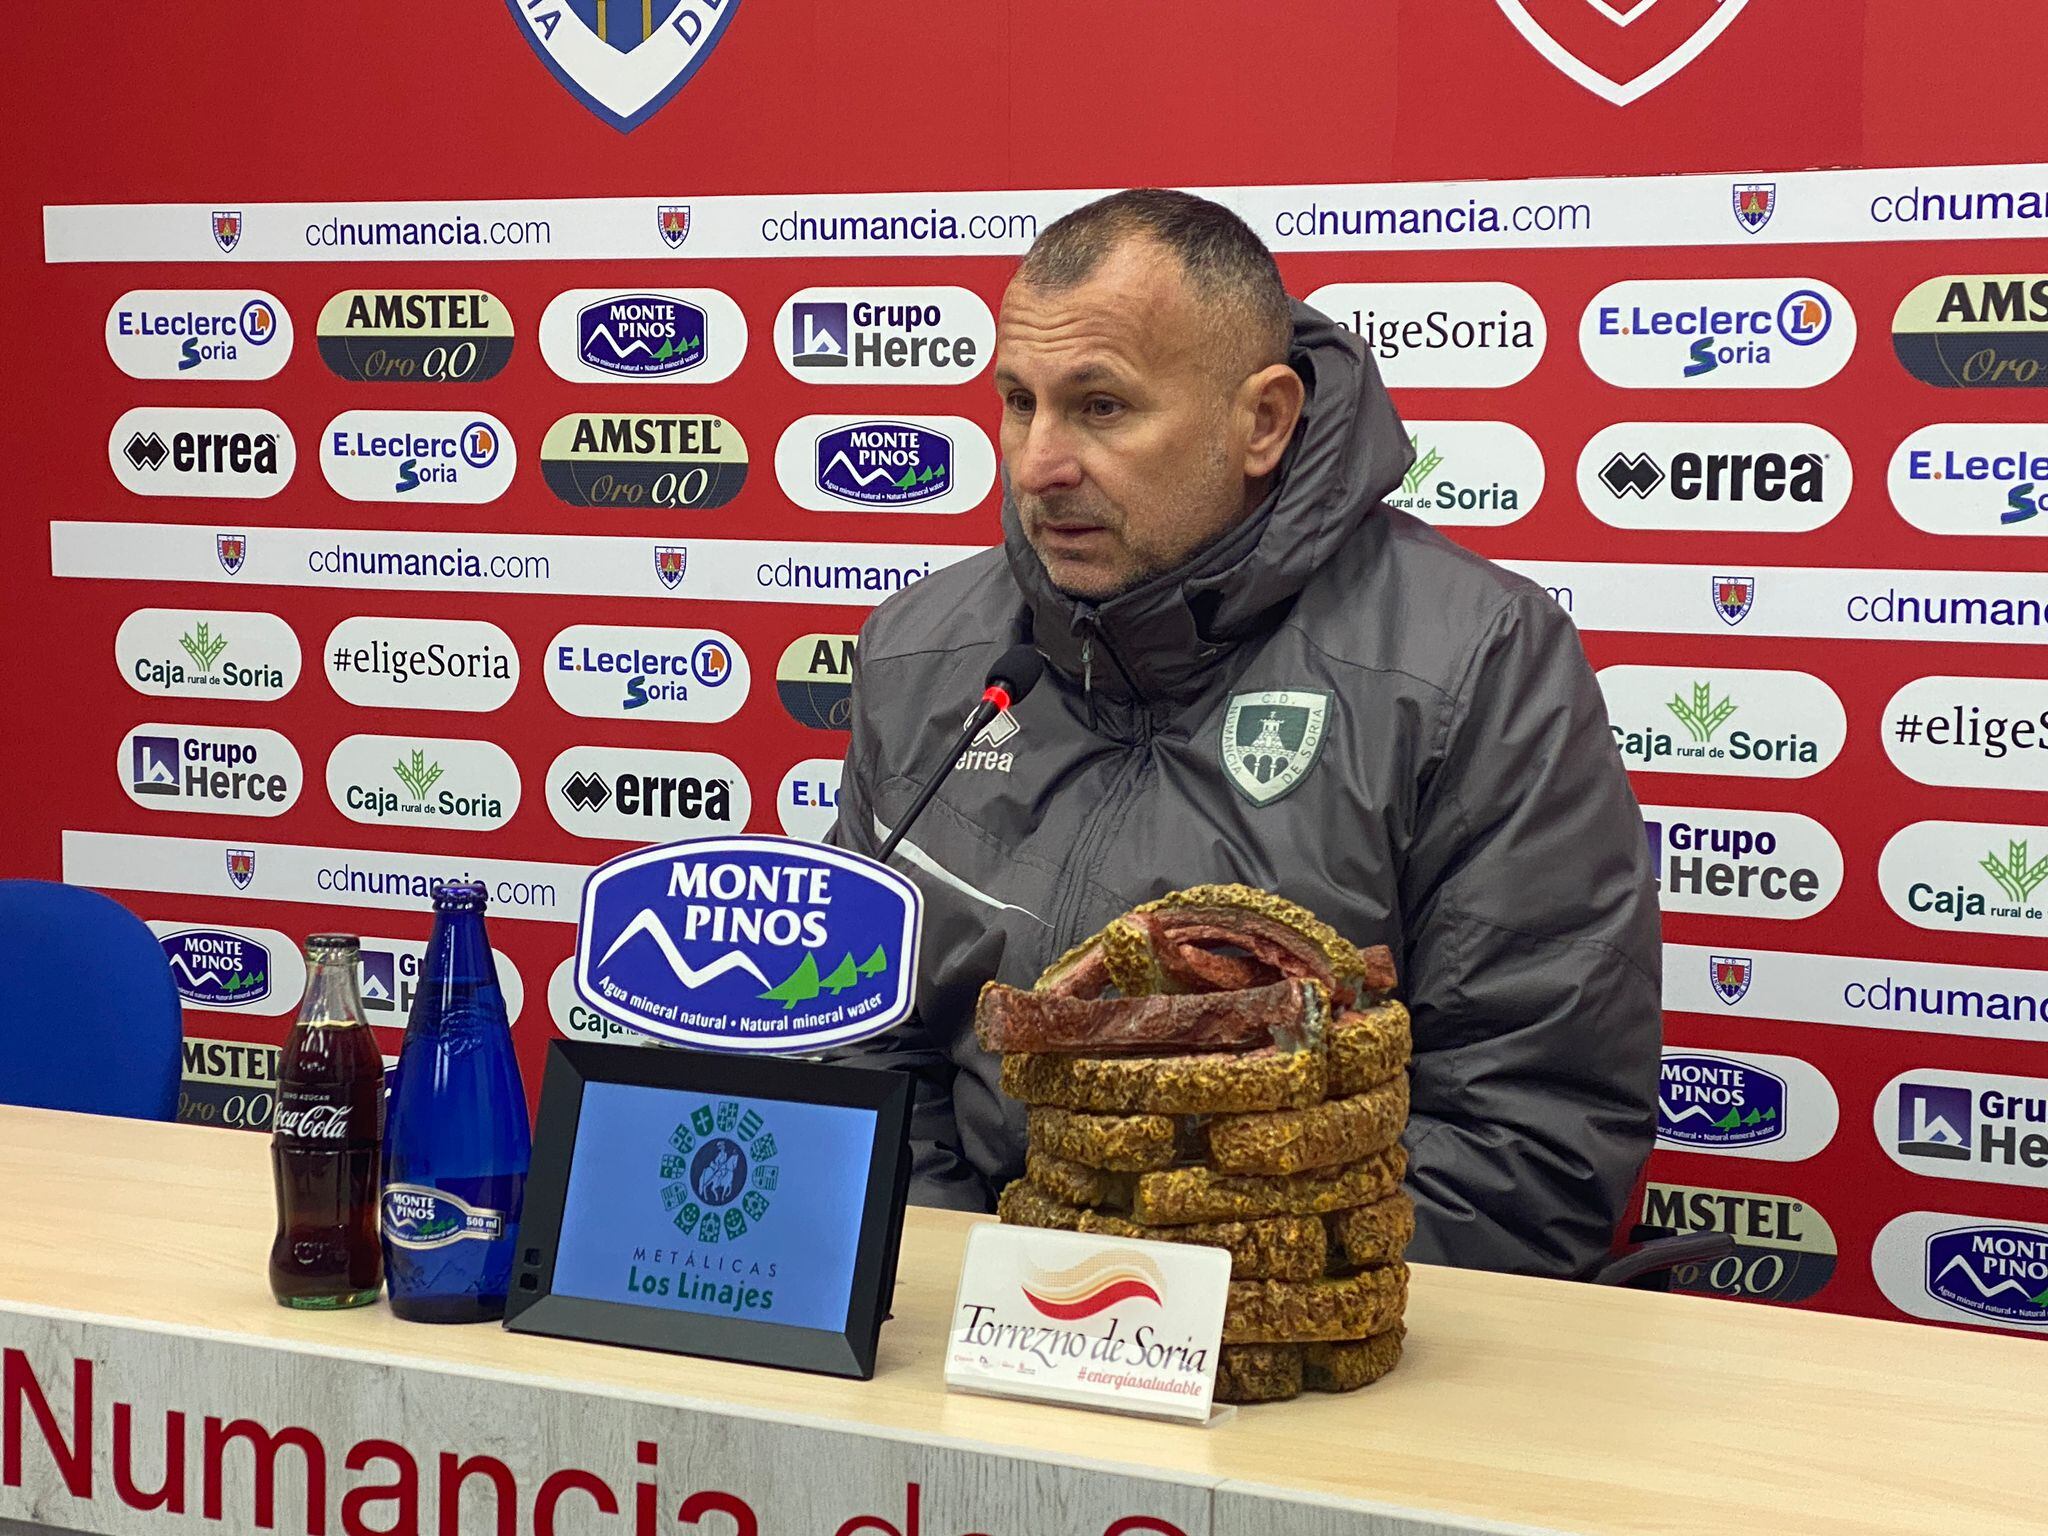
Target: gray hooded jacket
[1335,703]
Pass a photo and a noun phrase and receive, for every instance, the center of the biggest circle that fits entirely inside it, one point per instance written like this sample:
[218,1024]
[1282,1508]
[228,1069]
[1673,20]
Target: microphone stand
[993,702]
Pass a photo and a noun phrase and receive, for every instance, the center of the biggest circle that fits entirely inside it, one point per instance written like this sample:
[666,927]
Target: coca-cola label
[318,1115]
[418,1217]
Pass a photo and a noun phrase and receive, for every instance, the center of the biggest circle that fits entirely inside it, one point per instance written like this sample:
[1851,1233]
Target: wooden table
[1522,1404]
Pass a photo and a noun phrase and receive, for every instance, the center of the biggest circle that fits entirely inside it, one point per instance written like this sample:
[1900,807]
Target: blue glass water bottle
[456,1144]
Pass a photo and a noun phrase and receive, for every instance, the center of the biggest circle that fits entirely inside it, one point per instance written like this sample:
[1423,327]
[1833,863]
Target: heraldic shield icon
[1731,974]
[1270,740]
[623,59]
[1621,50]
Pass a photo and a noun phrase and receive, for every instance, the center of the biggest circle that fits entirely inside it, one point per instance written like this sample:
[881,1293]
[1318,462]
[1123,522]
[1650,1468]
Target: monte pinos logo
[748,944]
[1096,1284]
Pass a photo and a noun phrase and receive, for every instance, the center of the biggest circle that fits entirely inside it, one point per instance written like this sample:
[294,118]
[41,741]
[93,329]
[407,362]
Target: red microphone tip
[997,695]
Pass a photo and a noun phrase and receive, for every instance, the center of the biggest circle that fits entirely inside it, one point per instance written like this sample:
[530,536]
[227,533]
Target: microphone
[1015,674]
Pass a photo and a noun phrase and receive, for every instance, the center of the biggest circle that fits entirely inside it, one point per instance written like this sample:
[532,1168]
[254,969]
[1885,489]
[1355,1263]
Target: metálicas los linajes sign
[748,944]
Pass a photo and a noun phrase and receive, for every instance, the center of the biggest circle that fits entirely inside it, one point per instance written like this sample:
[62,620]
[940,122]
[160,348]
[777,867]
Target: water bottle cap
[460,896]
[332,946]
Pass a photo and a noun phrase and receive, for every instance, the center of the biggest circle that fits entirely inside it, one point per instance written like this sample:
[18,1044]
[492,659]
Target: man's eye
[1103,406]
[1019,402]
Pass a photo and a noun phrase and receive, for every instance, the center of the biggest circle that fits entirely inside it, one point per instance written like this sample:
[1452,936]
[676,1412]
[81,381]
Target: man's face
[1123,450]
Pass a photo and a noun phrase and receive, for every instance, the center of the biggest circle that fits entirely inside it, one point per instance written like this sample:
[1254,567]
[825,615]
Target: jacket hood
[1158,640]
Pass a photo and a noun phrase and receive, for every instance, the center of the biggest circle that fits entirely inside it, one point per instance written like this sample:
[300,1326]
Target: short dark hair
[1227,263]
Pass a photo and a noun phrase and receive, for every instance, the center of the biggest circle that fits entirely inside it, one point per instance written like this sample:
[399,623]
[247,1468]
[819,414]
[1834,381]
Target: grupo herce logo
[884,335]
[230,451]
[449,456]
[1973,478]
[1754,477]
[719,1176]
[1617,49]
[1099,1282]
[622,672]
[391,974]
[1964,1269]
[640,795]
[212,769]
[1442,335]
[814,680]
[624,62]
[218,967]
[687,463]
[1784,1248]
[885,464]
[1980,1127]
[1742,1104]
[1722,720]
[1982,877]
[1722,333]
[190,653]
[1470,474]
[415,335]
[643,336]
[748,944]
[199,333]
[1985,332]
[423,781]
[1775,864]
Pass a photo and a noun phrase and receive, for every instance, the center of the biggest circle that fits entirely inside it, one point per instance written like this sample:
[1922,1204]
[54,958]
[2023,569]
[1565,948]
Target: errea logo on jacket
[986,753]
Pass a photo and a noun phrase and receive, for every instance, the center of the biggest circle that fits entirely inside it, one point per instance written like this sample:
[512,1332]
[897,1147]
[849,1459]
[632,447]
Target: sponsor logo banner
[333,877]
[643,336]
[1981,877]
[455,456]
[231,968]
[1804,602]
[1972,479]
[1985,332]
[219,770]
[1972,732]
[423,781]
[691,463]
[885,464]
[229,1083]
[577,1020]
[1738,722]
[1753,477]
[195,333]
[577,565]
[807,800]
[465,665]
[1784,1248]
[1470,474]
[1718,333]
[415,336]
[884,335]
[207,654]
[749,944]
[1744,1104]
[1964,1269]
[814,680]
[226,451]
[390,980]
[1973,1126]
[642,796]
[1442,335]
[617,672]
[1742,863]
[1865,992]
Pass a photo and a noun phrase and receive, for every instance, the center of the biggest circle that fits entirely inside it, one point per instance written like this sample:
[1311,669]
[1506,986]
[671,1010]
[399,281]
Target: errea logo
[990,752]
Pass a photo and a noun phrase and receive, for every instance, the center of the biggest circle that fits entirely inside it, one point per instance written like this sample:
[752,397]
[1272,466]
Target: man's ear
[1272,399]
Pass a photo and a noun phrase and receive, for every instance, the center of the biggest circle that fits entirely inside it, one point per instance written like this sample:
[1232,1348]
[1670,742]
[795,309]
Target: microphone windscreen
[1017,670]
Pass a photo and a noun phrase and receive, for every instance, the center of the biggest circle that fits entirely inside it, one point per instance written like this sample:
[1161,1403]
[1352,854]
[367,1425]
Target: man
[1258,673]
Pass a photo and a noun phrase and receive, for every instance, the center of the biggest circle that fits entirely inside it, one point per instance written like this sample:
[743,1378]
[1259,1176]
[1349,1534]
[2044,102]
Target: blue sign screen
[722,1204]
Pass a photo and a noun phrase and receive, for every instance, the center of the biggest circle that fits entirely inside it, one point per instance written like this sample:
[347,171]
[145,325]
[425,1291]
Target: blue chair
[89,1017]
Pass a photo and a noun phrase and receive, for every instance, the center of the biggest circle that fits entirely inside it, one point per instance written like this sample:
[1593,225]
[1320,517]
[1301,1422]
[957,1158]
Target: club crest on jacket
[1271,739]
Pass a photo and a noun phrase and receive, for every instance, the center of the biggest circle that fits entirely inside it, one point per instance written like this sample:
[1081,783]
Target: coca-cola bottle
[324,1142]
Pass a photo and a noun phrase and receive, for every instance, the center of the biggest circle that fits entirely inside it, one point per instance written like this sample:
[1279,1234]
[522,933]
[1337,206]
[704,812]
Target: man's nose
[1044,461]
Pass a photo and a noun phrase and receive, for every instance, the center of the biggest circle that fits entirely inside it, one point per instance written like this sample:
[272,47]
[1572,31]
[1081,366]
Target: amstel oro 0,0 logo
[415,336]
[694,463]
[814,680]
[1975,332]
[1784,1248]
[720,1175]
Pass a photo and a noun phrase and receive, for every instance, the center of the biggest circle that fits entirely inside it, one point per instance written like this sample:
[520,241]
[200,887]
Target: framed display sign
[742,1208]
